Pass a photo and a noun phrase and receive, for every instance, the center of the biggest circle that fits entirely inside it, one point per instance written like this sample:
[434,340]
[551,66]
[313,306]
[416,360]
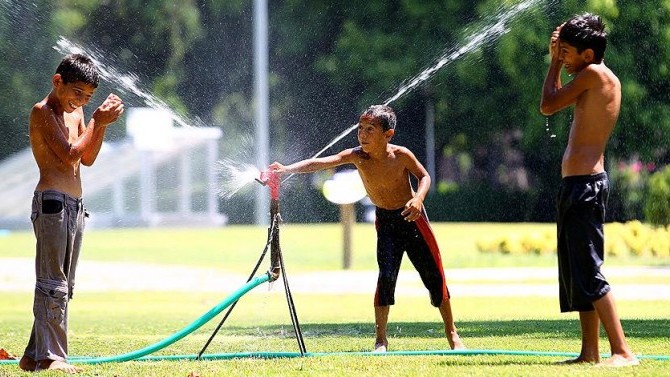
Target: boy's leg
[28,362]
[590,326]
[454,340]
[621,353]
[424,253]
[381,319]
[54,233]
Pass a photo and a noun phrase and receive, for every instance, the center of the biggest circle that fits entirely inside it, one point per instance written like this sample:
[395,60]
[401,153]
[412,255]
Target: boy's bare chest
[381,172]
[69,126]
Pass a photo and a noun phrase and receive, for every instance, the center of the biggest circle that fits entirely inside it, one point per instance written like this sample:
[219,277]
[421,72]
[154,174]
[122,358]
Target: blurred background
[493,156]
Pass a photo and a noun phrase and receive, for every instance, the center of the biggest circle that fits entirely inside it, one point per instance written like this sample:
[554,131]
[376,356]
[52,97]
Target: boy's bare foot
[579,360]
[380,347]
[620,361]
[27,363]
[57,365]
[455,342]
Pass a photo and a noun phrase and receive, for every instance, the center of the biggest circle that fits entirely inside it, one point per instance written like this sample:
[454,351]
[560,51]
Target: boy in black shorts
[579,46]
[401,222]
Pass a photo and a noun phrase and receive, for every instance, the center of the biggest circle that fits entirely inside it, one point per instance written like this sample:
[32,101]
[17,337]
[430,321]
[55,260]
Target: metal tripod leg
[292,311]
[225,317]
[276,268]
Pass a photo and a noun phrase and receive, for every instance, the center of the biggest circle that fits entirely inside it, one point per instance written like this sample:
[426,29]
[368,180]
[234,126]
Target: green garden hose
[141,354]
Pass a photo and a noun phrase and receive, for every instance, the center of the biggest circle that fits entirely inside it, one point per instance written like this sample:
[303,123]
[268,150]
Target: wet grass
[112,323]
[115,323]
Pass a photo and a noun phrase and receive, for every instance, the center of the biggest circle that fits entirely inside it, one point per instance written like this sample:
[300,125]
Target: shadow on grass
[548,329]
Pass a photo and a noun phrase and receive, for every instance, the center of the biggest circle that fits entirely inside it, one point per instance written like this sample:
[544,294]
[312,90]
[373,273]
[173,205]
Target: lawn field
[305,247]
[115,323]
[110,323]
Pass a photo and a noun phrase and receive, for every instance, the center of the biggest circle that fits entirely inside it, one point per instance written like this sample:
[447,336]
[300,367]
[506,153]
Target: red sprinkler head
[271,179]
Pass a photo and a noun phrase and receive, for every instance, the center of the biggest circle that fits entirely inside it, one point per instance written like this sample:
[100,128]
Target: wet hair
[381,113]
[586,31]
[78,68]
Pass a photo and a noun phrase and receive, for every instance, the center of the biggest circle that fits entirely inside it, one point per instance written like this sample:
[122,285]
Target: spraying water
[546,127]
[475,40]
[128,83]
[234,176]
[479,38]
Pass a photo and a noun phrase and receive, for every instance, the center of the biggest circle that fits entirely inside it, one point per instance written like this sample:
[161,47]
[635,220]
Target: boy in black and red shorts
[401,223]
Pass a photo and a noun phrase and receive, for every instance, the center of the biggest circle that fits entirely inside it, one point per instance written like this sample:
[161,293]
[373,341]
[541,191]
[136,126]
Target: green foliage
[630,239]
[657,203]
[329,61]
[480,203]
[630,179]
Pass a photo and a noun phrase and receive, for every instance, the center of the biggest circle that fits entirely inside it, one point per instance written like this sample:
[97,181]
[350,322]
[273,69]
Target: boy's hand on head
[109,111]
[554,44]
[412,209]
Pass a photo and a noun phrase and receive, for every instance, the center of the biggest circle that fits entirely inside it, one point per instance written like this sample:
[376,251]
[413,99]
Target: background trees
[328,62]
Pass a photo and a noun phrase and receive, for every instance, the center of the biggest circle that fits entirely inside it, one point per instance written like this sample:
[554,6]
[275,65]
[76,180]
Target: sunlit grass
[114,323]
[305,246]
[110,323]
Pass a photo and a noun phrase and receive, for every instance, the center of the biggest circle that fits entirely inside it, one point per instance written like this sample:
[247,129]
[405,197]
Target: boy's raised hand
[109,111]
[554,44]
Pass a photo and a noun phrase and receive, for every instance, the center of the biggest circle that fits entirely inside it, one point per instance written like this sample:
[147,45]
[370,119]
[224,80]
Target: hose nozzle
[270,178]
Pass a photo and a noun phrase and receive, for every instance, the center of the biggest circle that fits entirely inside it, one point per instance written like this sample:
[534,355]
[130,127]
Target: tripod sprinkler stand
[270,179]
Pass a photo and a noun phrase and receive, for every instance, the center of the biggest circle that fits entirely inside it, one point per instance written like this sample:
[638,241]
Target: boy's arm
[107,113]
[414,207]
[311,165]
[555,97]
[43,123]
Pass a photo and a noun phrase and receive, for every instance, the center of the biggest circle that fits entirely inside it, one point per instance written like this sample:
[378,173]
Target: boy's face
[574,61]
[371,136]
[72,95]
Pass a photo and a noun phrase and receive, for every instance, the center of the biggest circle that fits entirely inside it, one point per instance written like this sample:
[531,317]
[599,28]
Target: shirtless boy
[61,142]
[402,224]
[579,46]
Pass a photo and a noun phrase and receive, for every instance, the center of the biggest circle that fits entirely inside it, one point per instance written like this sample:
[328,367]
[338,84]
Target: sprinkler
[271,179]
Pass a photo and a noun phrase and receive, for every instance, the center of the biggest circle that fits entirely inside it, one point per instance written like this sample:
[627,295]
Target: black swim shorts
[581,214]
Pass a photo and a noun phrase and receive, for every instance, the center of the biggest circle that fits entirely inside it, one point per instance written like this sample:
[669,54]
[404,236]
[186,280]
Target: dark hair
[382,113]
[78,68]
[586,31]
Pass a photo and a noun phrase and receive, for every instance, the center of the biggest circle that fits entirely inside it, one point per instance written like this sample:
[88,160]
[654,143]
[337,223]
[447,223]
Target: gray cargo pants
[58,222]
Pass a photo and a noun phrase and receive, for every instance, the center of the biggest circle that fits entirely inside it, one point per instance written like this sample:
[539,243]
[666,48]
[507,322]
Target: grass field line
[16,275]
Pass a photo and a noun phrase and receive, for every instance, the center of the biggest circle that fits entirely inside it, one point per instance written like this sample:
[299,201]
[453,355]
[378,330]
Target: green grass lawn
[111,323]
[115,323]
[305,247]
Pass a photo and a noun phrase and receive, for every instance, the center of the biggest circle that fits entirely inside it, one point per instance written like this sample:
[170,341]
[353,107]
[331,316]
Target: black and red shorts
[395,236]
